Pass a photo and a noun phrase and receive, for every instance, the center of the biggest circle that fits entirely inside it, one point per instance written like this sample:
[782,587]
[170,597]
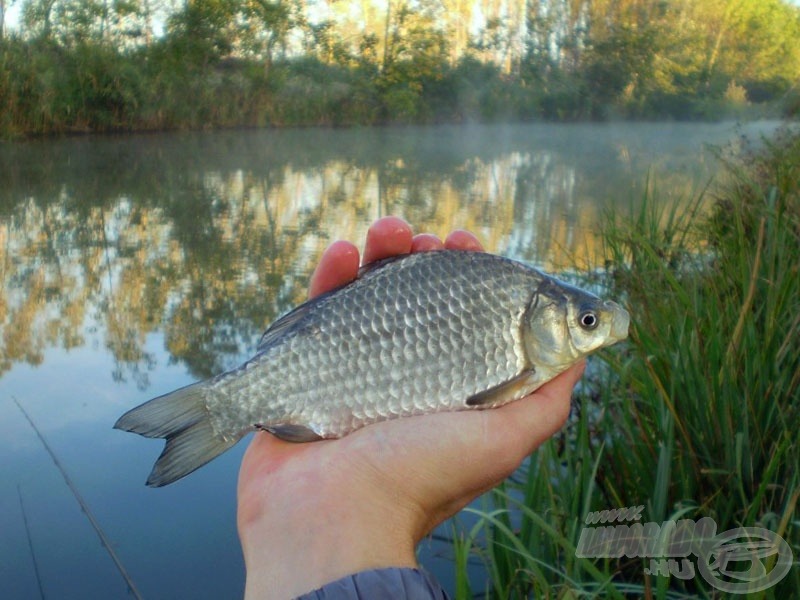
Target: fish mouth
[620,321]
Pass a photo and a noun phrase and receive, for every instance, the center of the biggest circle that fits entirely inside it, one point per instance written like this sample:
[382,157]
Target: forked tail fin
[182,419]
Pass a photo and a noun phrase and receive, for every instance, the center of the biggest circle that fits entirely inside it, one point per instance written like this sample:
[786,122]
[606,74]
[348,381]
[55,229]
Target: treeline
[78,65]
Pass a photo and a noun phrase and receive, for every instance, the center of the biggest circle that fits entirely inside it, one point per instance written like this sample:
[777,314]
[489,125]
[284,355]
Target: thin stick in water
[30,543]
[85,507]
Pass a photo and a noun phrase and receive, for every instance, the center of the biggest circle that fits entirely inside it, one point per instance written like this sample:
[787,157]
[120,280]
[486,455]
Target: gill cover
[563,323]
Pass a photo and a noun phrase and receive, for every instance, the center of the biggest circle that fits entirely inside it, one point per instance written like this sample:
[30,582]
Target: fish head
[562,324]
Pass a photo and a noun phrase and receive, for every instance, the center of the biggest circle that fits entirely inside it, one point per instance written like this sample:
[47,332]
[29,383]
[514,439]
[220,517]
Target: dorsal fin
[294,317]
[378,264]
[288,321]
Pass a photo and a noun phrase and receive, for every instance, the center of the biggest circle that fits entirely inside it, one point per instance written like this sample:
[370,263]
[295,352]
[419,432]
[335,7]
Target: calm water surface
[135,265]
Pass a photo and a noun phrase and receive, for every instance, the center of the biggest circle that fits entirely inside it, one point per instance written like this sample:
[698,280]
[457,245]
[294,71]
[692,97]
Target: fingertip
[341,250]
[527,423]
[559,389]
[426,242]
[461,239]
[574,373]
[337,267]
[388,236]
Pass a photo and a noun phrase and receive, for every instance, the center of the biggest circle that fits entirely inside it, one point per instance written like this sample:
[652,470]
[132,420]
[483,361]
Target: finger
[388,236]
[426,242]
[337,267]
[520,427]
[562,385]
[462,240]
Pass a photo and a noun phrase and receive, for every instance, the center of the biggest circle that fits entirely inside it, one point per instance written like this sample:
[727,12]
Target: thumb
[518,428]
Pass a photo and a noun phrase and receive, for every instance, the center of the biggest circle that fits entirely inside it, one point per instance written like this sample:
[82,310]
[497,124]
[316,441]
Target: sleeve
[392,584]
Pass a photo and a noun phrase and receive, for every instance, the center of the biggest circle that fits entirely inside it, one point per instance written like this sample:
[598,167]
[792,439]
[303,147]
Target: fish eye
[588,320]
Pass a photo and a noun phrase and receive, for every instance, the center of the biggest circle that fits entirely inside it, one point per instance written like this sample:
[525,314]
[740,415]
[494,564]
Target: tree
[415,57]
[123,23]
[204,30]
[37,18]
[4,5]
[266,26]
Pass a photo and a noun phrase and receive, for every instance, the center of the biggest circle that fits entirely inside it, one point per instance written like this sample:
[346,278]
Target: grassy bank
[176,83]
[697,417]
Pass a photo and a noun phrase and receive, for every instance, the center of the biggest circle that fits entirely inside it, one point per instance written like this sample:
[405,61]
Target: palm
[310,513]
[435,463]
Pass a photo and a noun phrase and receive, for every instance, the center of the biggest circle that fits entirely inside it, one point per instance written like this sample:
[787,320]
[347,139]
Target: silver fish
[421,333]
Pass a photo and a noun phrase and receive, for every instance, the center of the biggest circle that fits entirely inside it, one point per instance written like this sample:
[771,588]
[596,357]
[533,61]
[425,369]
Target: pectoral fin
[507,391]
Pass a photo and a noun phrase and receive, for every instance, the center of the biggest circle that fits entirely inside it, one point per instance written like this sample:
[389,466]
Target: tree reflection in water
[209,237]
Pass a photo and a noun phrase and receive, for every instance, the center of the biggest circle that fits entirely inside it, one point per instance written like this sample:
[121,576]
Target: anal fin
[498,395]
[292,433]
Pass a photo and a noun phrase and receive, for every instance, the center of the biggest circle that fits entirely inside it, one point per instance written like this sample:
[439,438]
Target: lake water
[134,265]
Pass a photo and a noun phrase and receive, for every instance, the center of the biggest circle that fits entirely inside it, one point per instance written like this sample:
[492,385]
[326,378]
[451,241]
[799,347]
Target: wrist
[311,533]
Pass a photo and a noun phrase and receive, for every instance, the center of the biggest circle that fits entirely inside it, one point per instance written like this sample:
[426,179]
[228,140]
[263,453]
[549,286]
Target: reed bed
[697,416]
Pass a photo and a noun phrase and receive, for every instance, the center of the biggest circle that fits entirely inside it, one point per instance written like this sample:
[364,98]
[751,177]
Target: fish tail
[180,417]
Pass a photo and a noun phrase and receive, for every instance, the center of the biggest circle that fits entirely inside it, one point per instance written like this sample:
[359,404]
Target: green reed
[696,416]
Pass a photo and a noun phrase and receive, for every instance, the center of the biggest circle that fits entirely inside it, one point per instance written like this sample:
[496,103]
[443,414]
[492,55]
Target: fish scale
[449,308]
[303,387]
[423,333]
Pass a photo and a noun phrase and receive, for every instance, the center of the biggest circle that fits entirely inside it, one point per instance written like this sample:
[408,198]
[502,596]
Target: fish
[420,333]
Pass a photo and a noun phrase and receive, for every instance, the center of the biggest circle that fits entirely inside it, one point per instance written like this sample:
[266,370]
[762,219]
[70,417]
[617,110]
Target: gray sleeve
[393,583]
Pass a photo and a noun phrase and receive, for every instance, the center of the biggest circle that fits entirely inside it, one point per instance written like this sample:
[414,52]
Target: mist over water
[134,265]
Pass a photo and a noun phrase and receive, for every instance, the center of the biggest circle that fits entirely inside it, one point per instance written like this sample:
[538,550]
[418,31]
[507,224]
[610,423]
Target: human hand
[311,513]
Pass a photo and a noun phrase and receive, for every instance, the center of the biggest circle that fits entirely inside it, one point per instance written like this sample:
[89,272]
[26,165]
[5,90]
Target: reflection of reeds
[30,543]
[106,543]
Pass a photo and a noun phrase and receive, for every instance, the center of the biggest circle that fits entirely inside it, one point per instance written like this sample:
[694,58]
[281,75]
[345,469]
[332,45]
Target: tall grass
[698,416]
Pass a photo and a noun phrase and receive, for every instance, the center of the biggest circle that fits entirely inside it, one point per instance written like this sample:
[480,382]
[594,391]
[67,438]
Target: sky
[12,13]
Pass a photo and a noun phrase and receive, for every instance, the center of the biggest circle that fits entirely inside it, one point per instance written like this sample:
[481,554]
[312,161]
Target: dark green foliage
[91,66]
[310,92]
